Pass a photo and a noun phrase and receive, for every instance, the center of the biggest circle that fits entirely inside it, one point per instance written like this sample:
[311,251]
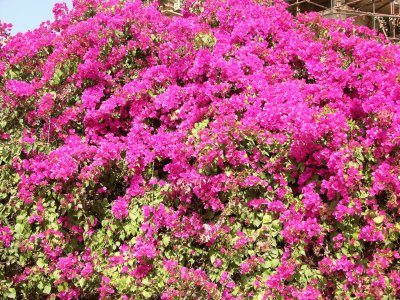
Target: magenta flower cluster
[233,152]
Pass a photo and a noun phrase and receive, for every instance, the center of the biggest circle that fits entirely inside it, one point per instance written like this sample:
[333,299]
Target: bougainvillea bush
[231,153]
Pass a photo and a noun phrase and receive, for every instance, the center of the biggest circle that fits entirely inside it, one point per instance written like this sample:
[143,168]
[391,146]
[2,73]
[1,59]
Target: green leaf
[47,289]
[166,240]
[40,263]
[267,219]
[19,228]
[146,294]
[267,264]
[257,222]
[378,219]
[275,263]
[81,282]
[12,293]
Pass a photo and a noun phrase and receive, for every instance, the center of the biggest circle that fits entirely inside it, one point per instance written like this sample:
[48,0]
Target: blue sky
[27,14]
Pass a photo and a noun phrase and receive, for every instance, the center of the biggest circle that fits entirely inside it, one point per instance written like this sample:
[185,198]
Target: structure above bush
[382,15]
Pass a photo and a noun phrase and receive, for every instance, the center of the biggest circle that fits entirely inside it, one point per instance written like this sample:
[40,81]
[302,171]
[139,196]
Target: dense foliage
[232,153]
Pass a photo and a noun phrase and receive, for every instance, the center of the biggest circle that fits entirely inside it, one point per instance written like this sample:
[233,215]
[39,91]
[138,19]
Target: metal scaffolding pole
[373,11]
